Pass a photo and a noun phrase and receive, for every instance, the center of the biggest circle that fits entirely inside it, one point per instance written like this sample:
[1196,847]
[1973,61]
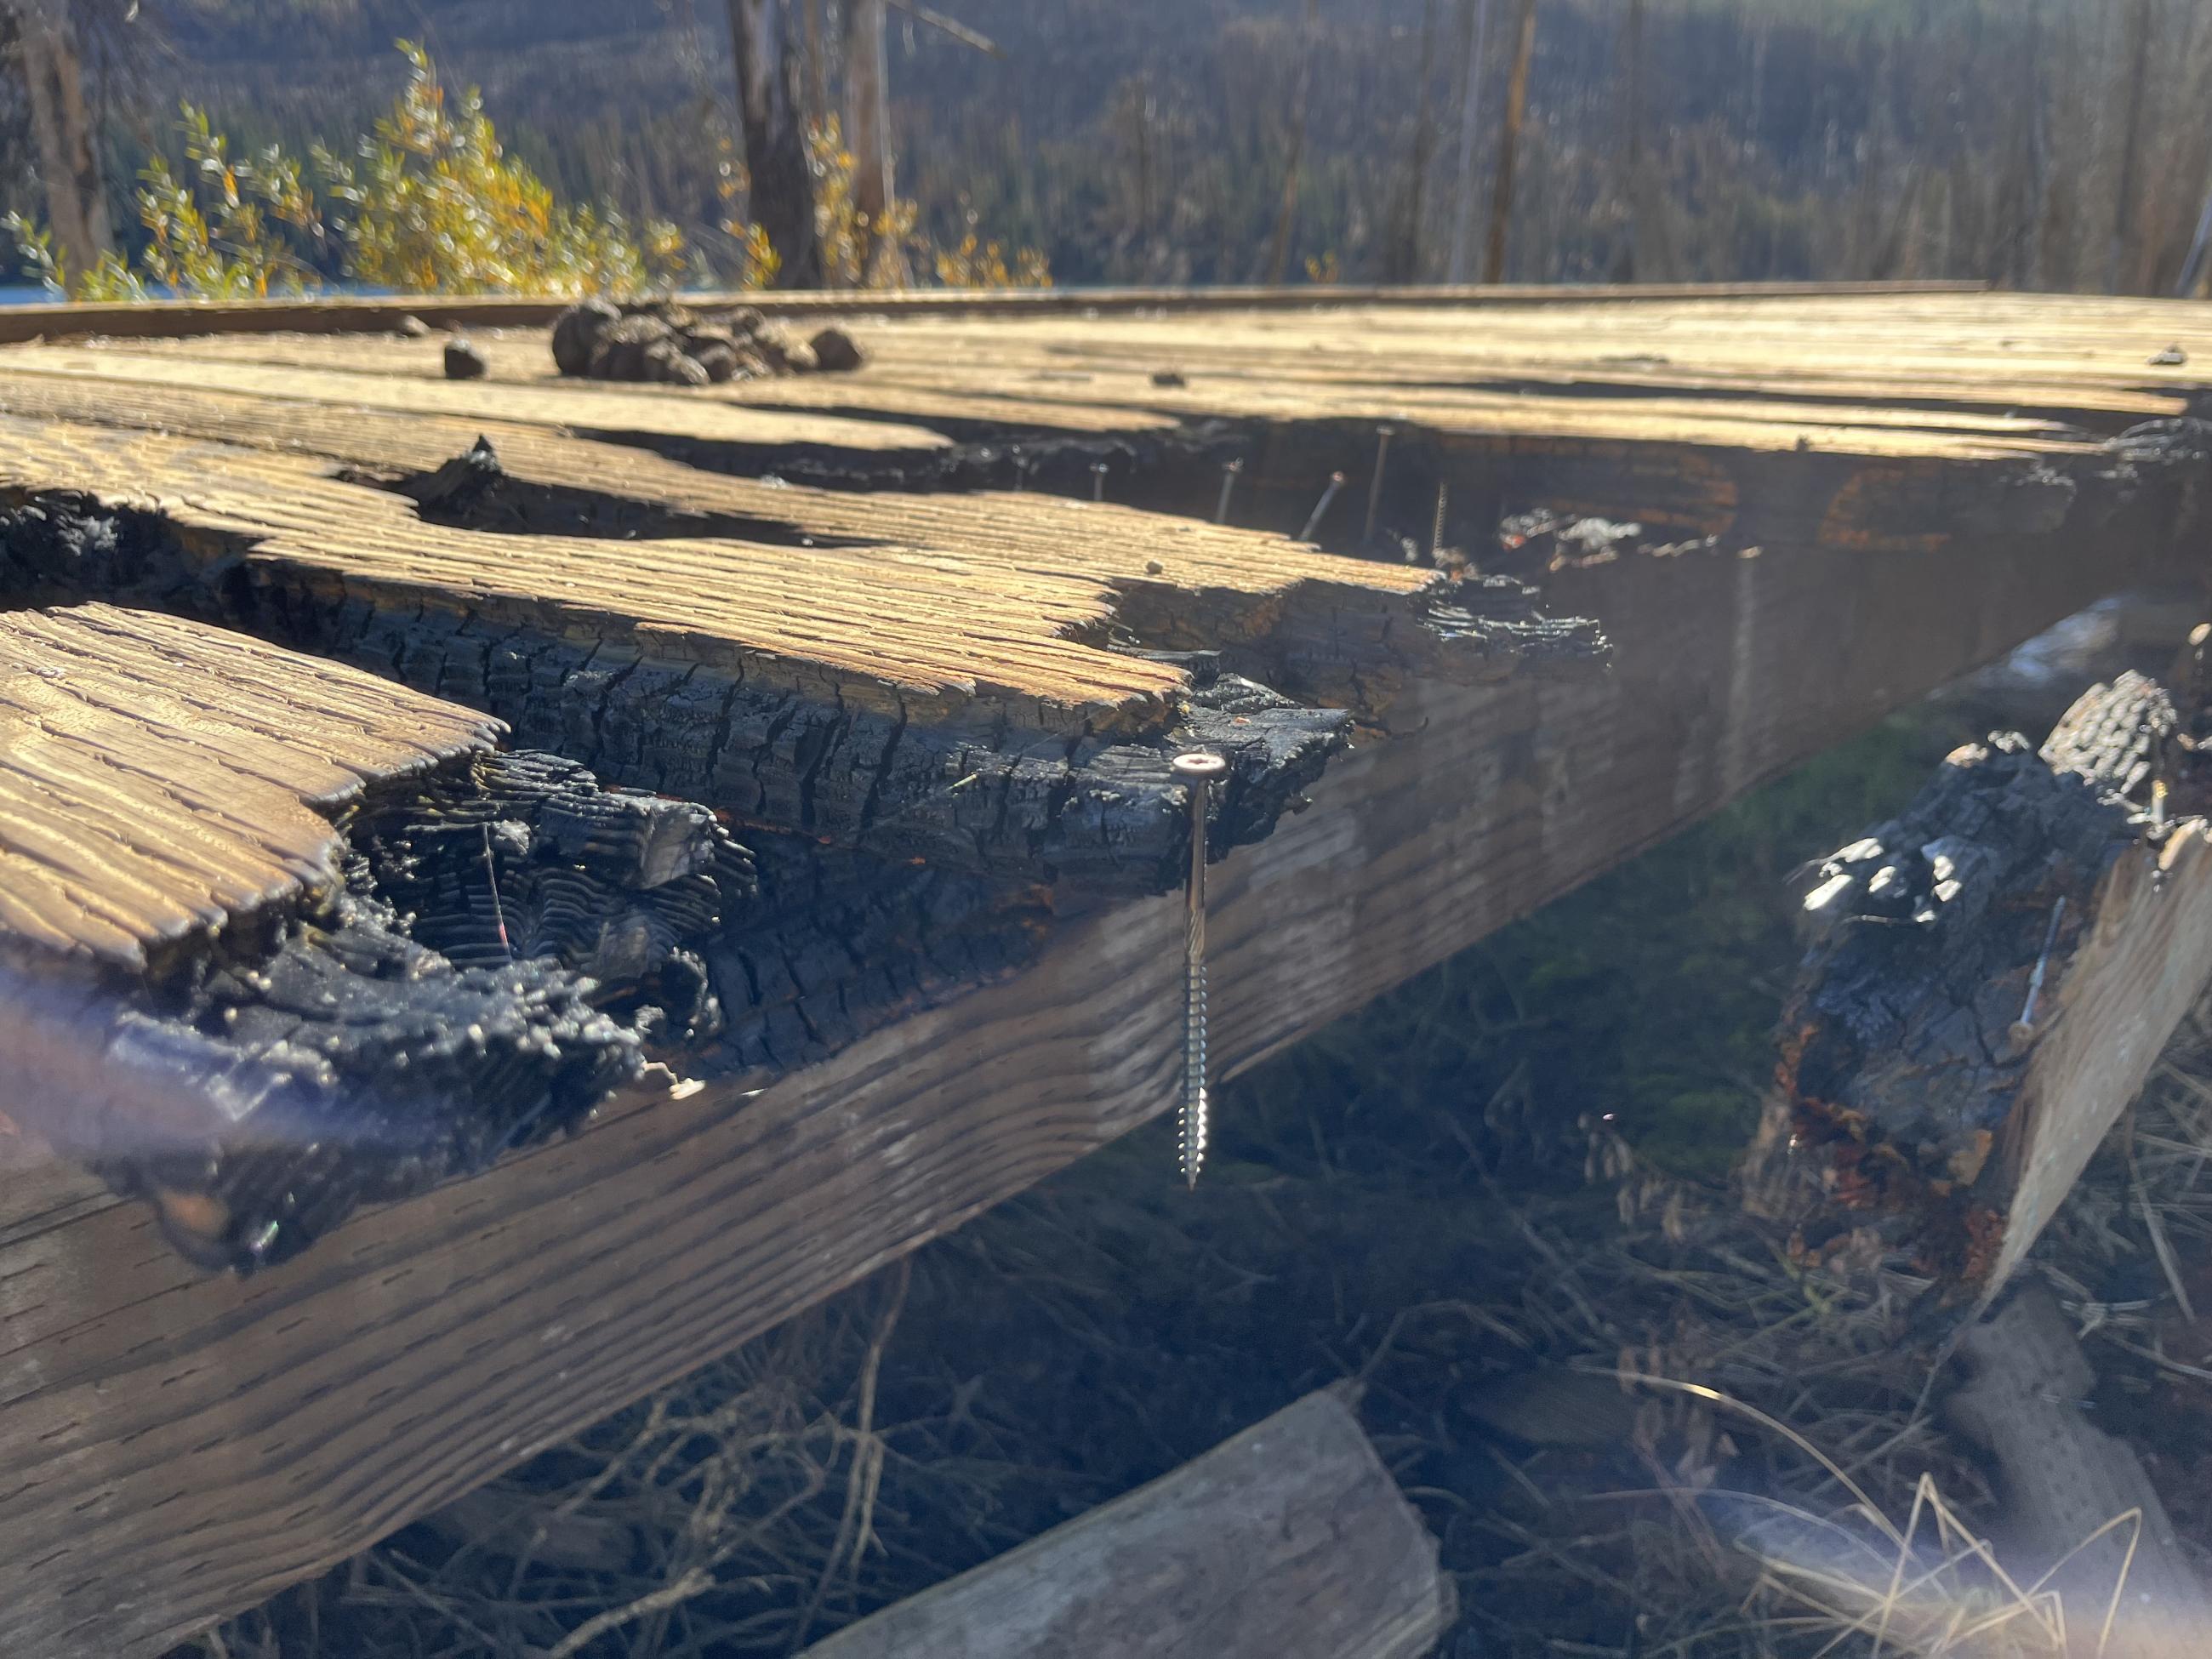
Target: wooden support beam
[1290,1541]
[203,1440]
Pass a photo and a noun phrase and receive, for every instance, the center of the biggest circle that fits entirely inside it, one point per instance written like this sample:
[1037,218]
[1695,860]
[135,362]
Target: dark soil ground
[1487,1188]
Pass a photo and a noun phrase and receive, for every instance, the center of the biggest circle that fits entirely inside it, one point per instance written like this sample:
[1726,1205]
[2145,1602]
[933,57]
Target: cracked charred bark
[1995,973]
[781,197]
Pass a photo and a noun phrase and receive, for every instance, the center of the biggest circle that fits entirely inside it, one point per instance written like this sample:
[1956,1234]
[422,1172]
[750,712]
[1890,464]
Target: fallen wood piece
[1997,972]
[2063,1479]
[1290,1541]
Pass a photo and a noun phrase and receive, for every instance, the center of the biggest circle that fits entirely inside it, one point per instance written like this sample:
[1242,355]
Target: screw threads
[1197,769]
[1195,1102]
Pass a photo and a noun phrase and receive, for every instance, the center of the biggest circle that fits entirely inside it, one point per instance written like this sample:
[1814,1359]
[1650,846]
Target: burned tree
[768,110]
[64,126]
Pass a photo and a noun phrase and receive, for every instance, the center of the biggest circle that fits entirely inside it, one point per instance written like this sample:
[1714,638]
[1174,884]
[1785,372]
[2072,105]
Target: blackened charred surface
[529,860]
[512,945]
[984,796]
[841,944]
[990,800]
[472,491]
[1345,645]
[352,1067]
[1905,1046]
[1171,470]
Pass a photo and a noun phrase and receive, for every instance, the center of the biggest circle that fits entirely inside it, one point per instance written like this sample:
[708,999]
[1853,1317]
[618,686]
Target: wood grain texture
[177,1446]
[2064,1479]
[899,604]
[357,313]
[2143,961]
[161,782]
[1997,970]
[1289,1542]
[174,1446]
[1853,370]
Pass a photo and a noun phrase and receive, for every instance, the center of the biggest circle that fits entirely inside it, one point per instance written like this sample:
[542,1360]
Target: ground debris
[662,340]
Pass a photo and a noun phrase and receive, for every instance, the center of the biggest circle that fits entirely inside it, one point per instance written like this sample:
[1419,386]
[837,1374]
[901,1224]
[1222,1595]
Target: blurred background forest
[2039,143]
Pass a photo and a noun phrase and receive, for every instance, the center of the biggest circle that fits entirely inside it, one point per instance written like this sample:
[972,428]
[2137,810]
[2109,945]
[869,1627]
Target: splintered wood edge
[2147,960]
[938,618]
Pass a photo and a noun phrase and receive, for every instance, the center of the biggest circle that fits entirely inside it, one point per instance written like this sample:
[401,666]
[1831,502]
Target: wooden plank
[342,313]
[2065,1480]
[1289,1542]
[160,782]
[177,1445]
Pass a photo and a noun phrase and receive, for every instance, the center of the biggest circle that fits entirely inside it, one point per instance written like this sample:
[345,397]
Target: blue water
[15,295]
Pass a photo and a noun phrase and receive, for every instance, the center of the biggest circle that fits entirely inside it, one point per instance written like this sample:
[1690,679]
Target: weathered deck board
[159,781]
[174,1444]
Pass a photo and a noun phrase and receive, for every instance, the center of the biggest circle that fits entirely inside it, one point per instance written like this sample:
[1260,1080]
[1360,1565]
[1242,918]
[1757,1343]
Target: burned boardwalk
[777,776]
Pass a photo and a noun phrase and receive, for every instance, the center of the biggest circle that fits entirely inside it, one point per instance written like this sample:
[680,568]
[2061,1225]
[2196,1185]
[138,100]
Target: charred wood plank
[1995,973]
[996,718]
[278,940]
[1289,1542]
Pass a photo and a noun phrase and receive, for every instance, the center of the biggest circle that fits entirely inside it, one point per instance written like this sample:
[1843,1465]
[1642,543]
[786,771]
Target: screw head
[1198,763]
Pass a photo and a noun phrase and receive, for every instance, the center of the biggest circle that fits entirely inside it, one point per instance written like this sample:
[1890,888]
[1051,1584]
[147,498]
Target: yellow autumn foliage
[430,201]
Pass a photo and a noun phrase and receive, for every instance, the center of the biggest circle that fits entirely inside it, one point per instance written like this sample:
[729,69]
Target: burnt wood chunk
[1994,974]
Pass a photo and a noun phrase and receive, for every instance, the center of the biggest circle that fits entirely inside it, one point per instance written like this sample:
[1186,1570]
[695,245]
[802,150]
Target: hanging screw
[1199,771]
[1228,471]
[1021,472]
[1098,481]
[1375,487]
[2023,1029]
[1436,527]
[1336,483]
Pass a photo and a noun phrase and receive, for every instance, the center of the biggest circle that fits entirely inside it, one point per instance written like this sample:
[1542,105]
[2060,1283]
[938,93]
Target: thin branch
[944,25]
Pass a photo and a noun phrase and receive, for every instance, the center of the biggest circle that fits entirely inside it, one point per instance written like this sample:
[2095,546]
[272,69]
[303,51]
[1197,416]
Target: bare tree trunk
[818,69]
[63,127]
[782,195]
[1470,114]
[1404,265]
[1632,173]
[1508,145]
[868,126]
[1278,253]
[2124,205]
[2200,253]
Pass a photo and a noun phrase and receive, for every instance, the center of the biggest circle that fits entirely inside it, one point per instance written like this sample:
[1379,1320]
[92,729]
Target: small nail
[1436,527]
[1375,486]
[1098,481]
[1336,483]
[1228,471]
[2023,1029]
